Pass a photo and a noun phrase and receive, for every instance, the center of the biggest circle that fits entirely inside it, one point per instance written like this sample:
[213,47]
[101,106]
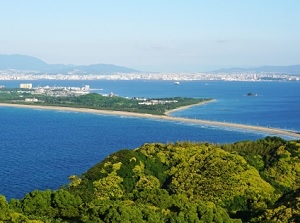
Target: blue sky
[154,35]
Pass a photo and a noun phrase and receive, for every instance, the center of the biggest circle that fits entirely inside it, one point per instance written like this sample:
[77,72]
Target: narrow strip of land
[273,131]
[168,113]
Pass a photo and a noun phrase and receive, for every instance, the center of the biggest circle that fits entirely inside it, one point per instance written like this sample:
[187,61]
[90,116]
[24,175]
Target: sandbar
[273,131]
[168,113]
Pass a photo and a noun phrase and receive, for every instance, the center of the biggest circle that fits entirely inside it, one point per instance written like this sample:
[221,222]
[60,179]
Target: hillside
[182,182]
[25,63]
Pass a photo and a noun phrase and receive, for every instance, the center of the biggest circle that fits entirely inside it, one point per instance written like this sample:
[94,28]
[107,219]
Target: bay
[39,149]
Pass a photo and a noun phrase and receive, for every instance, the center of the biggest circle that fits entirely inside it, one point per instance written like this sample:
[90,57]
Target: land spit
[167,116]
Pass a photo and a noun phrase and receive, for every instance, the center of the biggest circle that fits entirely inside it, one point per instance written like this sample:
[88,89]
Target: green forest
[97,101]
[249,181]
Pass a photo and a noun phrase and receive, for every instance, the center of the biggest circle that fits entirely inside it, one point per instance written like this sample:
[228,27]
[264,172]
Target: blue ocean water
[39,149]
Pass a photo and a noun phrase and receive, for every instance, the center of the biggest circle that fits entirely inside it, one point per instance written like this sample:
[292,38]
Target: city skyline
[154,36]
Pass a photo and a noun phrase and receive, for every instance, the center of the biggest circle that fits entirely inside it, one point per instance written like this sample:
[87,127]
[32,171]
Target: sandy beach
[167,116]
[168,113]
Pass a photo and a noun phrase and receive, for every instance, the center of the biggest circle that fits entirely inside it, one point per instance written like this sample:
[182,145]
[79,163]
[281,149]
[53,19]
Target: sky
[154,35]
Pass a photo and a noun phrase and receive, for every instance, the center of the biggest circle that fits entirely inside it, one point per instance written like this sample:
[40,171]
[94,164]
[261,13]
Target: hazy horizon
[211,70]
[154,36]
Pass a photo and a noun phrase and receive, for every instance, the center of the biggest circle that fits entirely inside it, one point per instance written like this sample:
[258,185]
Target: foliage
[97,101]
[277,160]
[182,182]
[286,209]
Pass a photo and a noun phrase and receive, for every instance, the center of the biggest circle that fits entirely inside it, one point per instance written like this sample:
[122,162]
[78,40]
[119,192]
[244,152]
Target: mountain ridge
[291,69]
[24,62]
[30,63]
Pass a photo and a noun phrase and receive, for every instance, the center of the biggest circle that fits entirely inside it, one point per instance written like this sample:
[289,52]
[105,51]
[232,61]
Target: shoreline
[168,113]
[167,117]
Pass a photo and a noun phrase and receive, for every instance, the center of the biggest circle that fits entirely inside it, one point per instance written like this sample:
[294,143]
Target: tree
[66,205]
[38,203]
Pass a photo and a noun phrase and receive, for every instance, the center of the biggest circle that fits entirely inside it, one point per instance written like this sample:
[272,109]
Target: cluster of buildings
[57,91]
[52,91]
[237,76]
[77,91]
[155,101]
[62,91]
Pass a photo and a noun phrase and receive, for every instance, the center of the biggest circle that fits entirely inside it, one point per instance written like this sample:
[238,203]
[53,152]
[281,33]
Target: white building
[27,86]
[31,99]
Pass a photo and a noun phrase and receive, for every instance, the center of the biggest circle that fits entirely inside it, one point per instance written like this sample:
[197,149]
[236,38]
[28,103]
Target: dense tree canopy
[182,182]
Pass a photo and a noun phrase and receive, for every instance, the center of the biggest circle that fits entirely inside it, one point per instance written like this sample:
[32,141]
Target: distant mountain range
[292,69]
[28,63]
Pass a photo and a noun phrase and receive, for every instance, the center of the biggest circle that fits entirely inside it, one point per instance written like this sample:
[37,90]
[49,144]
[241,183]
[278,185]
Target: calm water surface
[39,149]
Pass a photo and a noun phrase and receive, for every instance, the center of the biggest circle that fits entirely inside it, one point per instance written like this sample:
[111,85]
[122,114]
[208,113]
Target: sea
[40,149]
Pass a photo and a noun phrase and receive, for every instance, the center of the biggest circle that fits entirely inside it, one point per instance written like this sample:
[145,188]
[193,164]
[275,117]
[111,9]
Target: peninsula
[80,100]
[168,117]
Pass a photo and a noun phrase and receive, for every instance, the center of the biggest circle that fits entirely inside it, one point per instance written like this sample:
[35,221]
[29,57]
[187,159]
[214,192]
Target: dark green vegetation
[14,94]
[158,106]
[183,182]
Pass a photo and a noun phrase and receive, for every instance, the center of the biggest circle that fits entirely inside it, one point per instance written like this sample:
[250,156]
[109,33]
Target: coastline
[162,117]
[168,113]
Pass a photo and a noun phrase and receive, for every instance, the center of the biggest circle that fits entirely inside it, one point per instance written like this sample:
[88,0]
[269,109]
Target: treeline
[13,94]
[117,103]
[97,101]
[183,182]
